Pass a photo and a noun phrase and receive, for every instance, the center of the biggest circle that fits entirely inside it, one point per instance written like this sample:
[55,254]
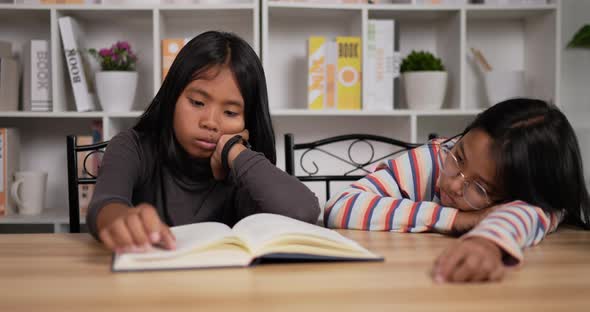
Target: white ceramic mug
[28,191]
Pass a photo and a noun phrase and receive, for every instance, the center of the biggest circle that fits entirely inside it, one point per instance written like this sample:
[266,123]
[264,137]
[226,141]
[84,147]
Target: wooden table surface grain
[64,272]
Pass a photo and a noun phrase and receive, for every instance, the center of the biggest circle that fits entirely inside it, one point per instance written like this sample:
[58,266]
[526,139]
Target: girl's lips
[205,144]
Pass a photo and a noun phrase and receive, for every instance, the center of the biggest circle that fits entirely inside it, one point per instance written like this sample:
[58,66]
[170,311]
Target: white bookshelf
[518,37]
[523,37]
[144,26]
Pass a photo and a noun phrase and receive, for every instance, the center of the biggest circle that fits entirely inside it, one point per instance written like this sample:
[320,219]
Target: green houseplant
[421,61]
[581,39]
[424,79]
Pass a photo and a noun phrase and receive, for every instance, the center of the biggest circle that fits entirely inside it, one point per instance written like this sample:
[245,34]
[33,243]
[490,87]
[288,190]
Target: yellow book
[170,48]
[258,238]
[348,87]
[62,1]
[316,76]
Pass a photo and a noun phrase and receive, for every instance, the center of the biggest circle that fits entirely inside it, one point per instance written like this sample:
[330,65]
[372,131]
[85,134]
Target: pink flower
[123,45]
[105,52]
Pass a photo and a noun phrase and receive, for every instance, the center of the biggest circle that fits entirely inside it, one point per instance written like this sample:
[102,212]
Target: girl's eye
[231,114]
[197,103]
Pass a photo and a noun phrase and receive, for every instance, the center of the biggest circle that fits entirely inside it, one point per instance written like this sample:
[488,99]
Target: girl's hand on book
[474,259]
[137,230]
[216,159]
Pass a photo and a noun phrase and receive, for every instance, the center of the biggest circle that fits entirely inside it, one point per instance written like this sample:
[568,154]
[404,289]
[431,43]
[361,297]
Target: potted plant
[424,79]
[581,39]
[116,81]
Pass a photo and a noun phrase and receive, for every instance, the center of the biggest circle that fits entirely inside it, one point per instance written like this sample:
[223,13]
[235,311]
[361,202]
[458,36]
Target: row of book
[129,2]
[335,70]
[420,2]
[334,73]
[36,80]
[172,2]
[10,163]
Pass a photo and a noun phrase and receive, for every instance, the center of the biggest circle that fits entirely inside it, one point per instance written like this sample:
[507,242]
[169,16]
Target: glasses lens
[475,195]
[450,167]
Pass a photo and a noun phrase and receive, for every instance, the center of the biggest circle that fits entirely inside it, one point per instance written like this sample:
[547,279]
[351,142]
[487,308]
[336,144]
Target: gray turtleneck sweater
[127,175]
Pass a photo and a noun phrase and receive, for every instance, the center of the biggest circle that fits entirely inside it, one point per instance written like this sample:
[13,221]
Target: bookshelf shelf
[51,114]
[42,134]
[377,113]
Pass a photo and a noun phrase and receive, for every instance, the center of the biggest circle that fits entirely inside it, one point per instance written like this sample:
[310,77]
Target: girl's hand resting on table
[473,259]
[135,229]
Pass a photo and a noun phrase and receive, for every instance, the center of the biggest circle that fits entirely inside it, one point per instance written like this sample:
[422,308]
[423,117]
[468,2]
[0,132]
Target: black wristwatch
[227,147]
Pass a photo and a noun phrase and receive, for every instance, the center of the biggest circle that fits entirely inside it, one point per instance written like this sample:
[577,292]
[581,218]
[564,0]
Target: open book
[254,239]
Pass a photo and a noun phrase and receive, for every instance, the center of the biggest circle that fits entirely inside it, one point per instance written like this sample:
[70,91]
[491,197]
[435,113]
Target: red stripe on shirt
[411,216]
[368,212]
[416,171]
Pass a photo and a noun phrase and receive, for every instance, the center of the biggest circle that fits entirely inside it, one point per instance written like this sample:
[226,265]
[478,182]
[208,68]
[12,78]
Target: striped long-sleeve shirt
[402,195]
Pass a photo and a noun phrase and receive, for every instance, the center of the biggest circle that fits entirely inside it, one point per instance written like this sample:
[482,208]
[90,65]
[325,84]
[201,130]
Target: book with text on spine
[316,72]
[37,76]
[71,36]
[348,73]
[255,239]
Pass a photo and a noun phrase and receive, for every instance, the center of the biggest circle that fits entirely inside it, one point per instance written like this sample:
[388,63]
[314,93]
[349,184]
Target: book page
[191,237]
[275,233]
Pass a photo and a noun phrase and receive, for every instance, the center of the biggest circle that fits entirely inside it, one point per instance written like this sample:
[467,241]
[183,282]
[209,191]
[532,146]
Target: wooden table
[64,272]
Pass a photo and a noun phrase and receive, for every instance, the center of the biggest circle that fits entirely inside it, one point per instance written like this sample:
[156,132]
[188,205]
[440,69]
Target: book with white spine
[36,76]
[71,38]
[380,65]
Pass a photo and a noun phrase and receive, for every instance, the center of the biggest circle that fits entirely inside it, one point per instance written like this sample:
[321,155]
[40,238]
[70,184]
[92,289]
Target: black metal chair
[352,165]
[74,180]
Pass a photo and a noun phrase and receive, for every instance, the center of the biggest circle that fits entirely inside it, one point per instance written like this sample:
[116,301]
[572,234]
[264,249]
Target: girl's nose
[209,122]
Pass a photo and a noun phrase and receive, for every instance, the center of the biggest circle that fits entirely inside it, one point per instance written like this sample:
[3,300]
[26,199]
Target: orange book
[9,164]
[170,48]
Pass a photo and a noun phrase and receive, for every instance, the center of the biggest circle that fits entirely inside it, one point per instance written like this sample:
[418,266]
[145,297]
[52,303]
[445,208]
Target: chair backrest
[74,180]
[351,165]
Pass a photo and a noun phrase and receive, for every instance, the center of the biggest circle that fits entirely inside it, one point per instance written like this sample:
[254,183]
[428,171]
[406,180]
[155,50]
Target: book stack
[334,73]
[36,77]
[9,78]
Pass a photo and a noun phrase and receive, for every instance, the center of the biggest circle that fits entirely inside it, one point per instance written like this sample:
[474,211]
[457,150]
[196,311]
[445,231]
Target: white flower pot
[116,90]
[425,89]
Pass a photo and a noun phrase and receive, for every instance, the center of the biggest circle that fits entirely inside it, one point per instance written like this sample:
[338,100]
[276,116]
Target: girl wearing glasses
[508,180]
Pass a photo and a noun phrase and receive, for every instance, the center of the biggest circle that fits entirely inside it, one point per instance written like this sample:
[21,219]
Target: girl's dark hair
[537,156]
[205,51]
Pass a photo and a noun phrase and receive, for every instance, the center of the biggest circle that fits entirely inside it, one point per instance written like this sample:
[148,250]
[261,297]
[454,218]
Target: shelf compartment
[285,57]
[515,41]
[102,28]
[434,30]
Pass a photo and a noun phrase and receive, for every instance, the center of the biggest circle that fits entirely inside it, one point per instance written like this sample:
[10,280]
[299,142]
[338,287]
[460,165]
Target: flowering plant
[118,57]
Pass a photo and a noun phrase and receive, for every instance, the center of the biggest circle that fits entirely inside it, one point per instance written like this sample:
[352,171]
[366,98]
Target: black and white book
[37,76]
[71,35]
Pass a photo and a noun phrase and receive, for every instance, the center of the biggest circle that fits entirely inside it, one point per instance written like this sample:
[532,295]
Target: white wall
[575,76]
